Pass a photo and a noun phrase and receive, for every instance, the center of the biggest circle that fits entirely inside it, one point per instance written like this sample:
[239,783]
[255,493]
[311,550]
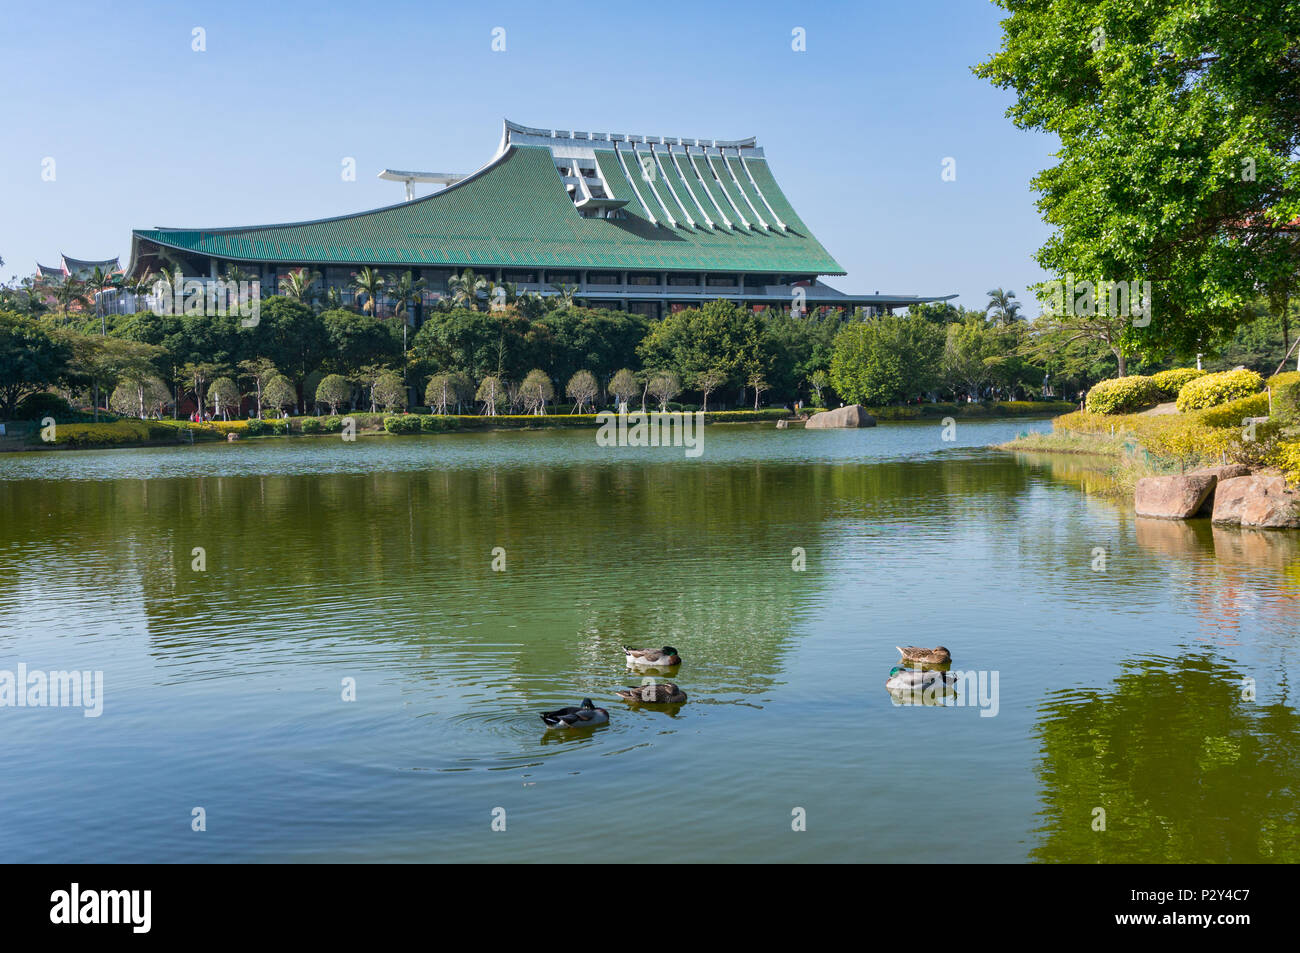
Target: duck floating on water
[914,680]
[666,657]
[935,656]
[660,693]
[585,715]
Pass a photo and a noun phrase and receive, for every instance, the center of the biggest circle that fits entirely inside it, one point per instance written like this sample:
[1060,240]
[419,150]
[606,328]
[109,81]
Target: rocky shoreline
[1231,495]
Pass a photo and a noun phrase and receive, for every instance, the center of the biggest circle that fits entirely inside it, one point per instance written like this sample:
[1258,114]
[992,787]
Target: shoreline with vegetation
[124,433]
[1234,417]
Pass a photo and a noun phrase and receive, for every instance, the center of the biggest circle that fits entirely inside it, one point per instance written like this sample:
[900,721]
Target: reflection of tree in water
[1186,770]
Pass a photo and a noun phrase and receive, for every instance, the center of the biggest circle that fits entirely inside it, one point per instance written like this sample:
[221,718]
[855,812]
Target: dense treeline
[297,358]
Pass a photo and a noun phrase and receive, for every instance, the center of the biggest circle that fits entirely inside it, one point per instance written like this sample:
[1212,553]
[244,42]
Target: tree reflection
[1186,770]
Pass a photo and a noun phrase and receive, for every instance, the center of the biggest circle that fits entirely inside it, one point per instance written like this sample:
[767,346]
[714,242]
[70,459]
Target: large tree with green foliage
[886,359]
[1179,122]
[31,359]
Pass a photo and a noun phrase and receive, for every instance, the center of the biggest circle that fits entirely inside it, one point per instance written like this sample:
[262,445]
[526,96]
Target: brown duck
[660,693]
[935,656]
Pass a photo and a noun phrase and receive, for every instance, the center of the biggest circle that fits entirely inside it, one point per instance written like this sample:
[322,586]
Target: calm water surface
[1118,688]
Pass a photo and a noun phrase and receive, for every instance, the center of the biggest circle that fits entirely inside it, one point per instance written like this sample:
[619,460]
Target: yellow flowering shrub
[1214,389]
[1121,395]
[1169,383]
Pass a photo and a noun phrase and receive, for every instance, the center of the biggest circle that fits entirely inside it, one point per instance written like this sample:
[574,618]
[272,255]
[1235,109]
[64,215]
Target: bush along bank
[126,432]
[1233,461]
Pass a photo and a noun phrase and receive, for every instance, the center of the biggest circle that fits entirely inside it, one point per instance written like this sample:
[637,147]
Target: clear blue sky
[144,131]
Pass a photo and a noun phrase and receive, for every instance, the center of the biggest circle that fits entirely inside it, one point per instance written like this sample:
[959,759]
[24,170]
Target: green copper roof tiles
[516,212]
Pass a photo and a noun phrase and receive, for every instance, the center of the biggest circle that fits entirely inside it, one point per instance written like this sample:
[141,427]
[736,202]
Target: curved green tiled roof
[515,212]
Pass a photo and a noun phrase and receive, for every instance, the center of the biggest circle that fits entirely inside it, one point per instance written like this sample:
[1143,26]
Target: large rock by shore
[1173,497]
[854,415]
[1263,501]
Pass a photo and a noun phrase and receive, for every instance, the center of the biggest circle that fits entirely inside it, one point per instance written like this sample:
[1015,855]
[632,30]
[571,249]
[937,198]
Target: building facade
[641,223]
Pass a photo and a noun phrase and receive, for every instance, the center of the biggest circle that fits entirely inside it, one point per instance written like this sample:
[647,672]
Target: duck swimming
[661,693]
[912,680]
[666,657]
[935,656]
[583,716]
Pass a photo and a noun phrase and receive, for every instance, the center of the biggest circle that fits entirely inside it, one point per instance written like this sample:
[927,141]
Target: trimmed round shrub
[1234,412]
[1122,395]
[1169,383]
[431,424]
[1215,389]
[311,425]
[332,424]
[404,424]
[279,427]
[256,427]
[1286,396]
[42,404]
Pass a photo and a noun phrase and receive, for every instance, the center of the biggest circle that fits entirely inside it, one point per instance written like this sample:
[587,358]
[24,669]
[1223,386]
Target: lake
[340,674]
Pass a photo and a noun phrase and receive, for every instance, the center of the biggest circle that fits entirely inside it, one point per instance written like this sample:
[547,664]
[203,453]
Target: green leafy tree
[536,390]
[1178,123]
[225,397]
[258,372]
[582,388]
[663,386]
[624,386]
[31,359]
[280,394]
[491,394]
[389,391]
[886,359]
[707,381]
[333,391]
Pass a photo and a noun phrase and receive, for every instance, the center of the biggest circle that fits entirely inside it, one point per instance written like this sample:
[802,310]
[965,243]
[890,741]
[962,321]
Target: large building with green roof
[643,223]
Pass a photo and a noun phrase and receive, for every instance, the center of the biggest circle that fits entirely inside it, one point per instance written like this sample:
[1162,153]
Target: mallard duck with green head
[918,680]
[665,657]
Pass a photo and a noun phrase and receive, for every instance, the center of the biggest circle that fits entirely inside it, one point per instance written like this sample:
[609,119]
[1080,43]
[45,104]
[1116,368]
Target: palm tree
[300,285]
[236,274]
[68,291]
[97,282]
[369,282]
[565,294]
[405,292]
[466,287]
[1003,305]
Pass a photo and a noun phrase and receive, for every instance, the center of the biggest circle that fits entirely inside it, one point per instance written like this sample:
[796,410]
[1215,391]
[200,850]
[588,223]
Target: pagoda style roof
[46,271]
[77,266]
[556,198]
